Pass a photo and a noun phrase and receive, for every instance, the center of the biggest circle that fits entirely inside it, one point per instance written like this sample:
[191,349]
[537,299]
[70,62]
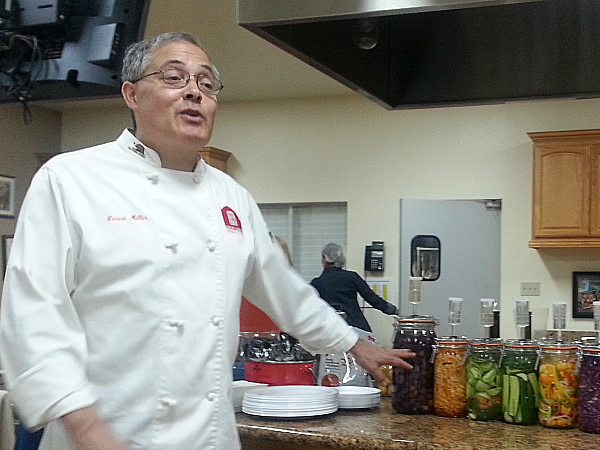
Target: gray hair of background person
[139,54]
[333,254]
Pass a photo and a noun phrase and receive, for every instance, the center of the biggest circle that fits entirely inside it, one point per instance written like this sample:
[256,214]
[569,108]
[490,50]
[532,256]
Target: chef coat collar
[131,144]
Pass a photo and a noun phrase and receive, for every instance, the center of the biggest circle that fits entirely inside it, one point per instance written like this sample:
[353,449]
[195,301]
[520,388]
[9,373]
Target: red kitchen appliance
[280,373]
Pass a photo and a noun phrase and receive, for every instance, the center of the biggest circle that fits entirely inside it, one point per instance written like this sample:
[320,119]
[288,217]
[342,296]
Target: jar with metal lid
[412,390]
[589,390]
[520,382]
[450,377]
[559,385]
[484,379]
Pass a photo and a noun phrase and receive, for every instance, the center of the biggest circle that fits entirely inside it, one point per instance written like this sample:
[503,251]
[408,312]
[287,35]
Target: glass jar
[450,377]
[589,390]
[559,385]
[520,382]
[412,390]
[484,379]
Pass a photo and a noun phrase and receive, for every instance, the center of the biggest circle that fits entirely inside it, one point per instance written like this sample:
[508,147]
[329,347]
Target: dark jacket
[339,287]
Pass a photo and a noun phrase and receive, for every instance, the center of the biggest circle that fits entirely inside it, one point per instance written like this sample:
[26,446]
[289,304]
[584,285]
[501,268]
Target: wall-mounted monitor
[65,49]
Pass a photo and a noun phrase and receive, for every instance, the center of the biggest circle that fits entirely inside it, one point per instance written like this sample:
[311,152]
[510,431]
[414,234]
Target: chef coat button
[197,179]
[211,247]
[167,402]
[211,396]
[177,323]
[216,321]
[172,245]
[153,177]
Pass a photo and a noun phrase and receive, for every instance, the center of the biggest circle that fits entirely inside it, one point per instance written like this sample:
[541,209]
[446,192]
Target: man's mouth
[192,114]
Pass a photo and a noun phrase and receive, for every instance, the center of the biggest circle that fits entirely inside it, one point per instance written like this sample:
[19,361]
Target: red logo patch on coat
[231,219]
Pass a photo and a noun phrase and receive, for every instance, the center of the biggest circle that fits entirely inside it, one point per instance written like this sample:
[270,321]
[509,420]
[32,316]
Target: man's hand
[371,357]
[88,432]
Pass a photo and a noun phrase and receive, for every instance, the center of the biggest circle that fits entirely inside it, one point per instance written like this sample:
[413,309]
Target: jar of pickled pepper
[520,382]
[412,390]
[484,379]
[450,377]
[589,390]
[559,385]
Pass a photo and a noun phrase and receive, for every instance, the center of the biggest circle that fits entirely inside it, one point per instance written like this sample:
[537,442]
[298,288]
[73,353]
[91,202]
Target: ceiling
[251,68]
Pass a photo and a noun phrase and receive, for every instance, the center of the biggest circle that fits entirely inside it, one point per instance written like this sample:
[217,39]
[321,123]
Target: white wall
[20,143]
[349,149]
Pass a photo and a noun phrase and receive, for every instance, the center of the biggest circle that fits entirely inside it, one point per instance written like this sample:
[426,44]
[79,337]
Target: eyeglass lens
[180,78]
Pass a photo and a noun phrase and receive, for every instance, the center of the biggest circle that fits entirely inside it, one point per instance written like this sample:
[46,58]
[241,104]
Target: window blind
[306,228]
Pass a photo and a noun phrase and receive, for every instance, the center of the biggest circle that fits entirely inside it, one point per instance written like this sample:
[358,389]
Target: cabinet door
[595,191]
[561,190]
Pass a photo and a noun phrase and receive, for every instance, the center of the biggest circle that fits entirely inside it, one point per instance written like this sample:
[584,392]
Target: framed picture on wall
[586,291]
[7,197]
[6,244]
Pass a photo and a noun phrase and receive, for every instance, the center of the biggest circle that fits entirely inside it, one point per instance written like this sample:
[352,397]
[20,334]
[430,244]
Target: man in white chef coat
[120,310]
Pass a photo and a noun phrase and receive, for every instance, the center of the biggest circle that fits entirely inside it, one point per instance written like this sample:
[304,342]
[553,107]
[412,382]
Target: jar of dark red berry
[412,389]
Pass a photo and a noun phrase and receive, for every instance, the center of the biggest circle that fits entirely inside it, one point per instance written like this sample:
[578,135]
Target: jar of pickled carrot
[450,377]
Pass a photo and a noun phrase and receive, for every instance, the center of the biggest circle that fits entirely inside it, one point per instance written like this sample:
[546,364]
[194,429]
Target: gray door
[469,233]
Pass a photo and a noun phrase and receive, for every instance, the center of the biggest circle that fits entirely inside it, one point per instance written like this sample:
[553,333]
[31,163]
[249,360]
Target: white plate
[295,391]
[291,401]
[358,397]
[360,405]
[240,387]
[290,414]
[357,390]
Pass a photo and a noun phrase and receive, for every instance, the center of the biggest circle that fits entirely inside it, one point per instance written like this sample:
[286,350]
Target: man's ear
[129,94]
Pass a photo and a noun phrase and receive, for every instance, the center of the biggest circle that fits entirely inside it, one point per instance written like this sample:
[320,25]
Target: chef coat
[123,291]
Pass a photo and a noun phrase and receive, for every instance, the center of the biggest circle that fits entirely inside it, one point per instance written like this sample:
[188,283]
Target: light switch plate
[530,288]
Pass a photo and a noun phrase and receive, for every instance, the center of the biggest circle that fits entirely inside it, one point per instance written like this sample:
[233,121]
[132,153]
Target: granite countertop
[383,428]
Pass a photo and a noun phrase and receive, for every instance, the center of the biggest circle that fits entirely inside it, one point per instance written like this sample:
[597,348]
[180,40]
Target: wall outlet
[529,288]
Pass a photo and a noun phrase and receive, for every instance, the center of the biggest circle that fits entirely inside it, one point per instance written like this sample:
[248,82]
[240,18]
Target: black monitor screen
[65,49]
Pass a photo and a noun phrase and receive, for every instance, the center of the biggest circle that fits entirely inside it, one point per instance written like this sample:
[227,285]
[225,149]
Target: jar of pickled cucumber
[484,379]
[450,377]
[559,385]
[520,383]
[589,390]
[412,390]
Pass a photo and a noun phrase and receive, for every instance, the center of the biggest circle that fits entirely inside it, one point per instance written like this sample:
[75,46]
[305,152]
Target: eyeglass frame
[189,77]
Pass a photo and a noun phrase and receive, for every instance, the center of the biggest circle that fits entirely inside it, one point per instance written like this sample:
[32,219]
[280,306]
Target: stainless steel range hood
[428,53]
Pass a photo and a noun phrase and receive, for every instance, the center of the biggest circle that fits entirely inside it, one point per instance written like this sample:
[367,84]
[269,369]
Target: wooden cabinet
[215,157]
[566,197]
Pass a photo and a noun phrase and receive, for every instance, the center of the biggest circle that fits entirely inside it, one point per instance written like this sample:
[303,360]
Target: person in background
[120,308]
[339,287]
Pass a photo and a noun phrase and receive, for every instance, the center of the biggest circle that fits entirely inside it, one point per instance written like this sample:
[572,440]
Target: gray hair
[334,255]
[138,55]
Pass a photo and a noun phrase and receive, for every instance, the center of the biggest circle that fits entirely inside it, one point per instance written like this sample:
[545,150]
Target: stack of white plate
[355,397]
[290,401]
[240,387]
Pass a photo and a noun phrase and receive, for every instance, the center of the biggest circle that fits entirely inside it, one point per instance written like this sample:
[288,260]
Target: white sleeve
[290,301]
[42,345]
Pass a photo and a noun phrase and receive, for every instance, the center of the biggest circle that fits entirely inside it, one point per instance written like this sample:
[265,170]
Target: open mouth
[192,114]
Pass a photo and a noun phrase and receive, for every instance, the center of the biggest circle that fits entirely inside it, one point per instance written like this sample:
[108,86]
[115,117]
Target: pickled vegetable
[412,390]
[450,375]
[520,384]
[386,391]
[589,386]
[559,395]
[484,388]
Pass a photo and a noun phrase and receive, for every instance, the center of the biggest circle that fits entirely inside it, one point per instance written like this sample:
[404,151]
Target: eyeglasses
[179,78]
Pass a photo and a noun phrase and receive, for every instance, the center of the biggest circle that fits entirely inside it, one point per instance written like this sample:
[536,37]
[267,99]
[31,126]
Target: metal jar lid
[487,343]
[452,341]
[415,322]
